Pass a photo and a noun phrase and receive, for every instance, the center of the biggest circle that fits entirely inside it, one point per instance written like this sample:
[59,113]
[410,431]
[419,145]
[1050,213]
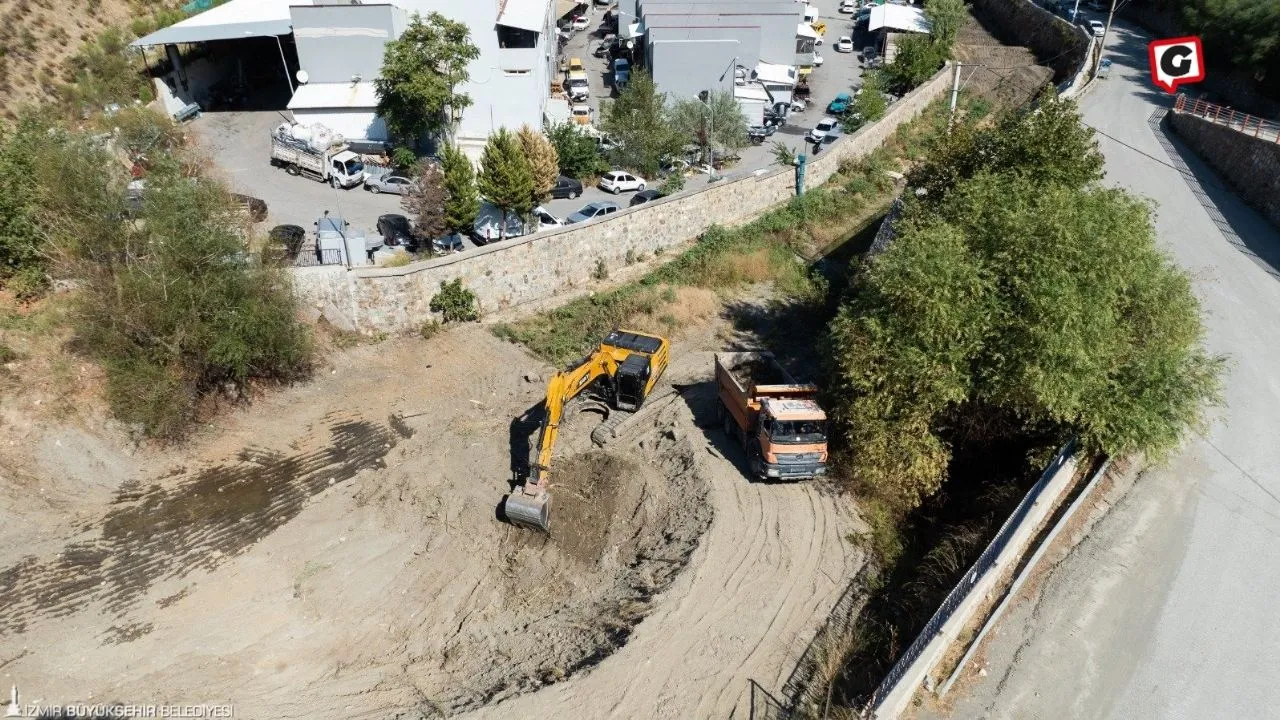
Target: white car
[545,220]
[820,131]
[582,22]
[798,106]
[849,7]
[817,59]
[844,44]
[618,181]
[1097,28]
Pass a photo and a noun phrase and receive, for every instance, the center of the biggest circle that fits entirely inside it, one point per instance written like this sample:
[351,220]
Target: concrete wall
[1056,42]
[338,41]
[1249,164]
[538,267]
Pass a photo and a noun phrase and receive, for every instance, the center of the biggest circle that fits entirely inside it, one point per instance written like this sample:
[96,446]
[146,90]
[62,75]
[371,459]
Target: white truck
[317,153]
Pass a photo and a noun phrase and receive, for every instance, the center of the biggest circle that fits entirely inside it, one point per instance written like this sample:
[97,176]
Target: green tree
[506,180]
[717,122]
[421,71]
[1245,33]
[543,161]
[461,200]
[638,118]
[945,20]
[1044,145]
[870,105]
[917,58]
[1024,297]
[22,264]
[578,153]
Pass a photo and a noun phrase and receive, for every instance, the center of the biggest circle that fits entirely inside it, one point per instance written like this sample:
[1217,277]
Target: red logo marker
[1175,62]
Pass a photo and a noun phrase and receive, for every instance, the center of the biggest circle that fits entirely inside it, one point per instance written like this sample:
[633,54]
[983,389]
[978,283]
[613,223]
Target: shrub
[429,329]
[404,158]
[601,271]
[455,303]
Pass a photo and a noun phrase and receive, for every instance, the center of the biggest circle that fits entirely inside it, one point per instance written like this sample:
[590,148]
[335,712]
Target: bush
[171,306]
[602,271]
[455,303]
[429,329]
[577,152]
[404,158]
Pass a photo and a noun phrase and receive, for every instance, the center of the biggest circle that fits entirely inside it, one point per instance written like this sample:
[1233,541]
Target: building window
[515,73]
[516,38]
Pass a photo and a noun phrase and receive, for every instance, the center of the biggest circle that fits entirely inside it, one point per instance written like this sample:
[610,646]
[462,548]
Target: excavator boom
[632,363]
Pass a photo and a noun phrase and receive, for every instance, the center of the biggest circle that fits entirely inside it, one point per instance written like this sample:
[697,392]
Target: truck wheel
[728,427]
[293,170]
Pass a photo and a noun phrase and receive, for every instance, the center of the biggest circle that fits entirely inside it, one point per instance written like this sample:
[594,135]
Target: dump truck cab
[792,437]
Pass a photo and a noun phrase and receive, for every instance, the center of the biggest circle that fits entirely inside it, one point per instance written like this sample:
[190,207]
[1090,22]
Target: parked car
[798,105]
[1097,28]
[566,188]
[844,44]
[759,133]
[582,114]
[621,72]
[391,182]
[643,197]
[577,86]
[822,129]
[618,181]
[848,7]
[590,211]
[545,219]
[817,59]
[575,65]
[582,22]
[448,244]
[396,230]
[839,105]
[869,53]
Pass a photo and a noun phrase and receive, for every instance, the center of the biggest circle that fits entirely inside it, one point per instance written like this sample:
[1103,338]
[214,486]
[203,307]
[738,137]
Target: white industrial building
[330,52]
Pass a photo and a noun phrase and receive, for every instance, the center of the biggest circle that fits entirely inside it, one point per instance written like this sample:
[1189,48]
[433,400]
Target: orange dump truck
[777,419]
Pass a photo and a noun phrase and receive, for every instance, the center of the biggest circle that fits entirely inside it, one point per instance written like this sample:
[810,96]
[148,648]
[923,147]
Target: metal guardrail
[984,564]
[1222,115]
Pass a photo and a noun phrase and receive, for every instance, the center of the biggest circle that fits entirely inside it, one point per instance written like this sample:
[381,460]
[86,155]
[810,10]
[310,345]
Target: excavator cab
[628,364]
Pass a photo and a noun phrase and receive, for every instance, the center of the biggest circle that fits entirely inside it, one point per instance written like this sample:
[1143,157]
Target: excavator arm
[531,504]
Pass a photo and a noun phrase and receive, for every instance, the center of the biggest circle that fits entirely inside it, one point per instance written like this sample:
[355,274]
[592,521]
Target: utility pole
[955,95]
[1103,43]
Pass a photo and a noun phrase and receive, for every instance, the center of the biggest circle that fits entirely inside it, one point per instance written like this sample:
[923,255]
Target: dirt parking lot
[334,551]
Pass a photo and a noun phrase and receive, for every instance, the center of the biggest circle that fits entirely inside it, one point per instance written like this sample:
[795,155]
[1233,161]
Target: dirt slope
[334,551]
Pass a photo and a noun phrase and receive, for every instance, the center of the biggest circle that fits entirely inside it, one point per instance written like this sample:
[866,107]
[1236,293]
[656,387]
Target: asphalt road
[1168,609]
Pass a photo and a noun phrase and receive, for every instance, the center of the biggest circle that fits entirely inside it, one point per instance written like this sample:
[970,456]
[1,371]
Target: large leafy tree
[421,71]
[22,264]
[506,180]
[717,122]
[1244,32]
[1022,295]
[577,152]
[638,118]
[461,202]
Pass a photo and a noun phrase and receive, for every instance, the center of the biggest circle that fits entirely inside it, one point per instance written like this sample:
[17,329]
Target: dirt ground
[334,551]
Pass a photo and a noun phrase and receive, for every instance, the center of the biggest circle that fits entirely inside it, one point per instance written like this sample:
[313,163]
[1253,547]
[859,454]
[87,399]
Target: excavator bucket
[531,511]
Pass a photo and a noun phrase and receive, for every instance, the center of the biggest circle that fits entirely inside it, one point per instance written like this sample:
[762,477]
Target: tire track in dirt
[175,527]
[772,562]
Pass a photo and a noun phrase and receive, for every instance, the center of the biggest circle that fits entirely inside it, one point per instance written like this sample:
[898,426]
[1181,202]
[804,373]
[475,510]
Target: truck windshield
[354,166]
[799,432]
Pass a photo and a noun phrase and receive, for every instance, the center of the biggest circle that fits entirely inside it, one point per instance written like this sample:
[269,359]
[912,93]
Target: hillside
[38,38]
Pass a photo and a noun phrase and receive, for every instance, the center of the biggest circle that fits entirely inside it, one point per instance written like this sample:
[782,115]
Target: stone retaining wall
[537,267]
[1250,165]
[1057,43]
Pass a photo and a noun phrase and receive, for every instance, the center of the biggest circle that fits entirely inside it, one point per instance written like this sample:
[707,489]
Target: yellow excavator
[628,365]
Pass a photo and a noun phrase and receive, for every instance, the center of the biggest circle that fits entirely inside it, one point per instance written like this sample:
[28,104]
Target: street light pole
[1103,43]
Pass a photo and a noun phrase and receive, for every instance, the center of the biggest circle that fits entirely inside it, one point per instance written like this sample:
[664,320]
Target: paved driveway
[1168,609]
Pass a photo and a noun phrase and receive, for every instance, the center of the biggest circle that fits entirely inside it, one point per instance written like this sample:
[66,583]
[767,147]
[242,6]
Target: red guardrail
[1234,119]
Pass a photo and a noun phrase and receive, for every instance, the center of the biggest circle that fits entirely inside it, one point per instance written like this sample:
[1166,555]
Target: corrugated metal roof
[524,14]
[334,95]
[229,21]
[898,17]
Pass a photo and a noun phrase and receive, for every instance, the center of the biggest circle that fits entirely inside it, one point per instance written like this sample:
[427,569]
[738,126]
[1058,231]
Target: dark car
[644,196]
[285,242]
[566,188]
[448,244]
[397,230]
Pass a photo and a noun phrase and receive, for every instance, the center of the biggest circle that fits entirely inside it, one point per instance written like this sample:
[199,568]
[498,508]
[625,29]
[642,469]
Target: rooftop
[334,95]
[898,17]
[229,21]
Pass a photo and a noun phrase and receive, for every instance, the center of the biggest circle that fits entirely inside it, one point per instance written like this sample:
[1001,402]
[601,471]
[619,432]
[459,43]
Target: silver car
[388,183]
